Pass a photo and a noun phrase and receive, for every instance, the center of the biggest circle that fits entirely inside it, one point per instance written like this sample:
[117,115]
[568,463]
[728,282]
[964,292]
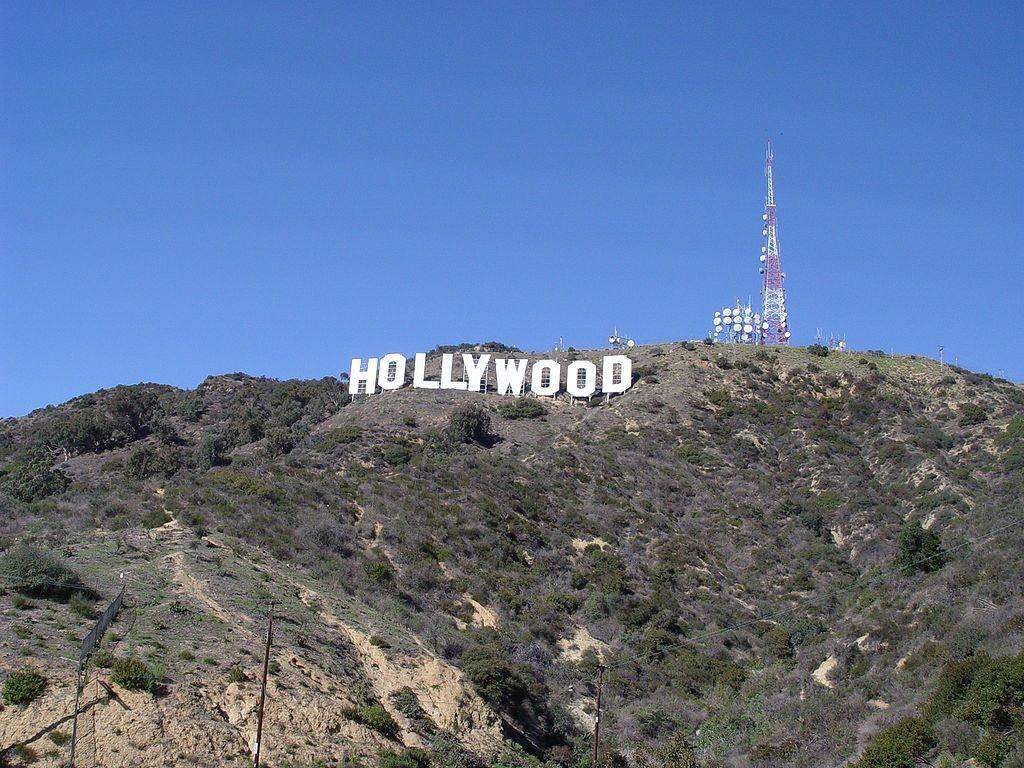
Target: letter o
[391,373]
[554,377]
[572,378]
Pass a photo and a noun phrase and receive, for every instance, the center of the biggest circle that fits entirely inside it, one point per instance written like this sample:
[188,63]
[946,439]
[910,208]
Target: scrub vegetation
[785,557]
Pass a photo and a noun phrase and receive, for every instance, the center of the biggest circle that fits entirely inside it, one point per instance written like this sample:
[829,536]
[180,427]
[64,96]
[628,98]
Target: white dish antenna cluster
[618,341]
[738,325]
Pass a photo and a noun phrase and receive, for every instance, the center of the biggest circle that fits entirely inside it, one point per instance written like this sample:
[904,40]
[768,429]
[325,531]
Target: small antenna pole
[263,687]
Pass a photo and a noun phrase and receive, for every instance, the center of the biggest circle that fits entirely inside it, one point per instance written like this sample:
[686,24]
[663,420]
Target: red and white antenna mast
[774,316]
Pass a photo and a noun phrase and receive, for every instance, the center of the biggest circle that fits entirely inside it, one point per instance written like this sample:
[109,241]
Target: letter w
[510,375]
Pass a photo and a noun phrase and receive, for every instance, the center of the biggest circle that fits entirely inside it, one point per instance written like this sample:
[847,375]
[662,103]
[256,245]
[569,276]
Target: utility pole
[74,726]
[263,687]
[597,717]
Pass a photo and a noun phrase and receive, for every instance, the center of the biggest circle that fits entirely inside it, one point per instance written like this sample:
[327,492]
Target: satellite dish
[747,329]
[630,343]
[717,314]
[737,327]
[764,217]
[764,232]
[765,326]
[788,334]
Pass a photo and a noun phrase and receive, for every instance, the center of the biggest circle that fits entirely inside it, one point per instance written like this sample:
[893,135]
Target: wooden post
[74,726]
[263,687]
[597,718]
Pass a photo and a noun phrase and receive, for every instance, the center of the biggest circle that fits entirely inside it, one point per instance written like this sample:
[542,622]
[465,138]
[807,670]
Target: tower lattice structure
[774,316]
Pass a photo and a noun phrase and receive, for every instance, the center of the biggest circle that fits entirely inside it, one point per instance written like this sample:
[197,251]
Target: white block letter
[418,372]
[616,374]
[475,370]
[581,378]
[446,374]
[547,375]
[510,375]
[360,381]
[392,372]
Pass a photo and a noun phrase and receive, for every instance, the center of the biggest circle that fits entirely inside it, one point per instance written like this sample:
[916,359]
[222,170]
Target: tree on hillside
[920,550]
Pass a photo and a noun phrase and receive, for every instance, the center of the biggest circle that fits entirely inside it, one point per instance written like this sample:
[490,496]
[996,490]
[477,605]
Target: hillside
[782,559]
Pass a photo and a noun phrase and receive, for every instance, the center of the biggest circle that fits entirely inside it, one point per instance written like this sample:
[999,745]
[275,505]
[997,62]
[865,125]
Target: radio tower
[774,318]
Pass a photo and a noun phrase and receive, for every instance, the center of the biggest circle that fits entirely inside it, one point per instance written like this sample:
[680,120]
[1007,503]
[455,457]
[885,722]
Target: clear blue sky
[191,188]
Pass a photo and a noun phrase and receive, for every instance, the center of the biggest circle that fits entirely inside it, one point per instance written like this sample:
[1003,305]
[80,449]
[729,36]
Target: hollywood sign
[511,376]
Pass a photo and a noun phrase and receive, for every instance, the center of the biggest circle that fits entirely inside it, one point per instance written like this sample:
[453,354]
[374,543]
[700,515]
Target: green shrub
[1014,458]
[929,437]
[395,454]
[818,350]
[1014,431]
[349,433]
[280,441]
[22,603]
[971,414]
[677,753]
[236,675]
[32,479]
[380,572]
[247,485]
[920,550]
[60,738]
[691,454]
[80,605]
[405,701]
[103,659]
[36,573]
[826,501]
[374,717]
[412,758]
[981,690]
[142,463]
[901,745]
[133,674]
[523,408]
[494,678]
[447,752]
[719,397]
[22,686]
[211,451]
[646,373]
[155,518]
[469,424]
[25,753]
[992,748]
